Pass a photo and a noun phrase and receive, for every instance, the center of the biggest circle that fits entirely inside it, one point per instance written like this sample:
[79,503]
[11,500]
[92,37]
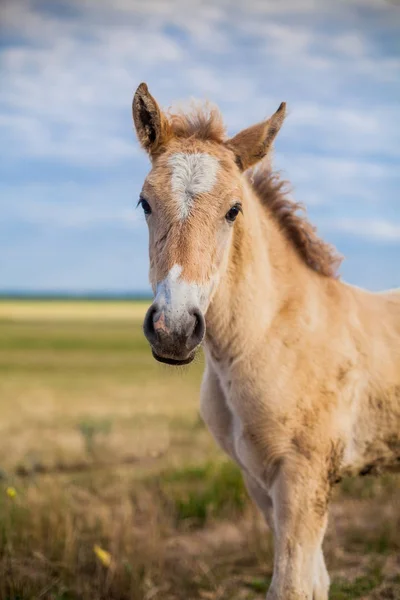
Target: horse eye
[146,206]
[233,212]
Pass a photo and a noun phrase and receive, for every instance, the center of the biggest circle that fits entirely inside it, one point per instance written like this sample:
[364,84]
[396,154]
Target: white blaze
[175,295]
[192,174]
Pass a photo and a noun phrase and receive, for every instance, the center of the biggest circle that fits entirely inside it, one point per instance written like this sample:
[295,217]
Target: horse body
[302,378]
[312,396]
[374,417]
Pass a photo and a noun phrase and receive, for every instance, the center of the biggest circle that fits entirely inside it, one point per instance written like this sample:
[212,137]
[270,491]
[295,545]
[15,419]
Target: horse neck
[263,276]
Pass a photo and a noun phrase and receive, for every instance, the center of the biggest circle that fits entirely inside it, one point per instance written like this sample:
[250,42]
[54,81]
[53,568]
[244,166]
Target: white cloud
[79,73]
[324,180]
[31,137]
[348,131]
[71,206]
[351,45]
[374,229]
[66,93]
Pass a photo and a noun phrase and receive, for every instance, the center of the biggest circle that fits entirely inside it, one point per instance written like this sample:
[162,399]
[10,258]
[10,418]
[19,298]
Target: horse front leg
[300,503]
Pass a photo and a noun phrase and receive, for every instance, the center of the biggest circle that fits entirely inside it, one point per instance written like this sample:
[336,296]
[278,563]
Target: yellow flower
[11,492]
[103,556]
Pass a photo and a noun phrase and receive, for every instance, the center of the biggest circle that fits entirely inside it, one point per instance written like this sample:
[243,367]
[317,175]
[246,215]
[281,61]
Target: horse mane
[204,122]
[274,195]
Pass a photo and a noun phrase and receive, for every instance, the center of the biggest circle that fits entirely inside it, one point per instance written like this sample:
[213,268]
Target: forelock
[203,121]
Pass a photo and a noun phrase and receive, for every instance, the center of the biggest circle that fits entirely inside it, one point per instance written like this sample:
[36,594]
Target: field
[111,488]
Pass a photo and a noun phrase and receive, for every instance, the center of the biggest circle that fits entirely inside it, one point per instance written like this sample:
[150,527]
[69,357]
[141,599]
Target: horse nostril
[199,326]
[148,325]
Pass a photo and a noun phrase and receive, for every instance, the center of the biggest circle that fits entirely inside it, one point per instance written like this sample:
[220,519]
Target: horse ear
[253,143]
[152,126]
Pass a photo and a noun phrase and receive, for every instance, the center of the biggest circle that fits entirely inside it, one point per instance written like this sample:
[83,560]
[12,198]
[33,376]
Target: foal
[302,378]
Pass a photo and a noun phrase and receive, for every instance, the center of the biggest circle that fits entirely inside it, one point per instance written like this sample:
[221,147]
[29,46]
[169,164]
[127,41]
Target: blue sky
[70,167]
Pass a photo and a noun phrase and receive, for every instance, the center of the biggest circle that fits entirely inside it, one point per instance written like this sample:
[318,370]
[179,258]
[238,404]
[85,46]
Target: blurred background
[71,170]
[110,487]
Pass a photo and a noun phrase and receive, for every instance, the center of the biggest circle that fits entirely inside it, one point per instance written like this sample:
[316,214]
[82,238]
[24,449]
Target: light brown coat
[302,378]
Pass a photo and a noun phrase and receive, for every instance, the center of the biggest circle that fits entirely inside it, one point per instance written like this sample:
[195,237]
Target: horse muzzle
[174,334]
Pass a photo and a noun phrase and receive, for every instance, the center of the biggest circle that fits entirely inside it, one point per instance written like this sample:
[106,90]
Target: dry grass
[49,310]
[105,447]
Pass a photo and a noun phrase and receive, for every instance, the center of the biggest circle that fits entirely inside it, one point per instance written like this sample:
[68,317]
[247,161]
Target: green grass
[71,337]
[383,540]
[201,493]
[359,587]
[114,453]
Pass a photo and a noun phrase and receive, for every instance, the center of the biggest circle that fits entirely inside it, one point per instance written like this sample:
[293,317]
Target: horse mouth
[176,362]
